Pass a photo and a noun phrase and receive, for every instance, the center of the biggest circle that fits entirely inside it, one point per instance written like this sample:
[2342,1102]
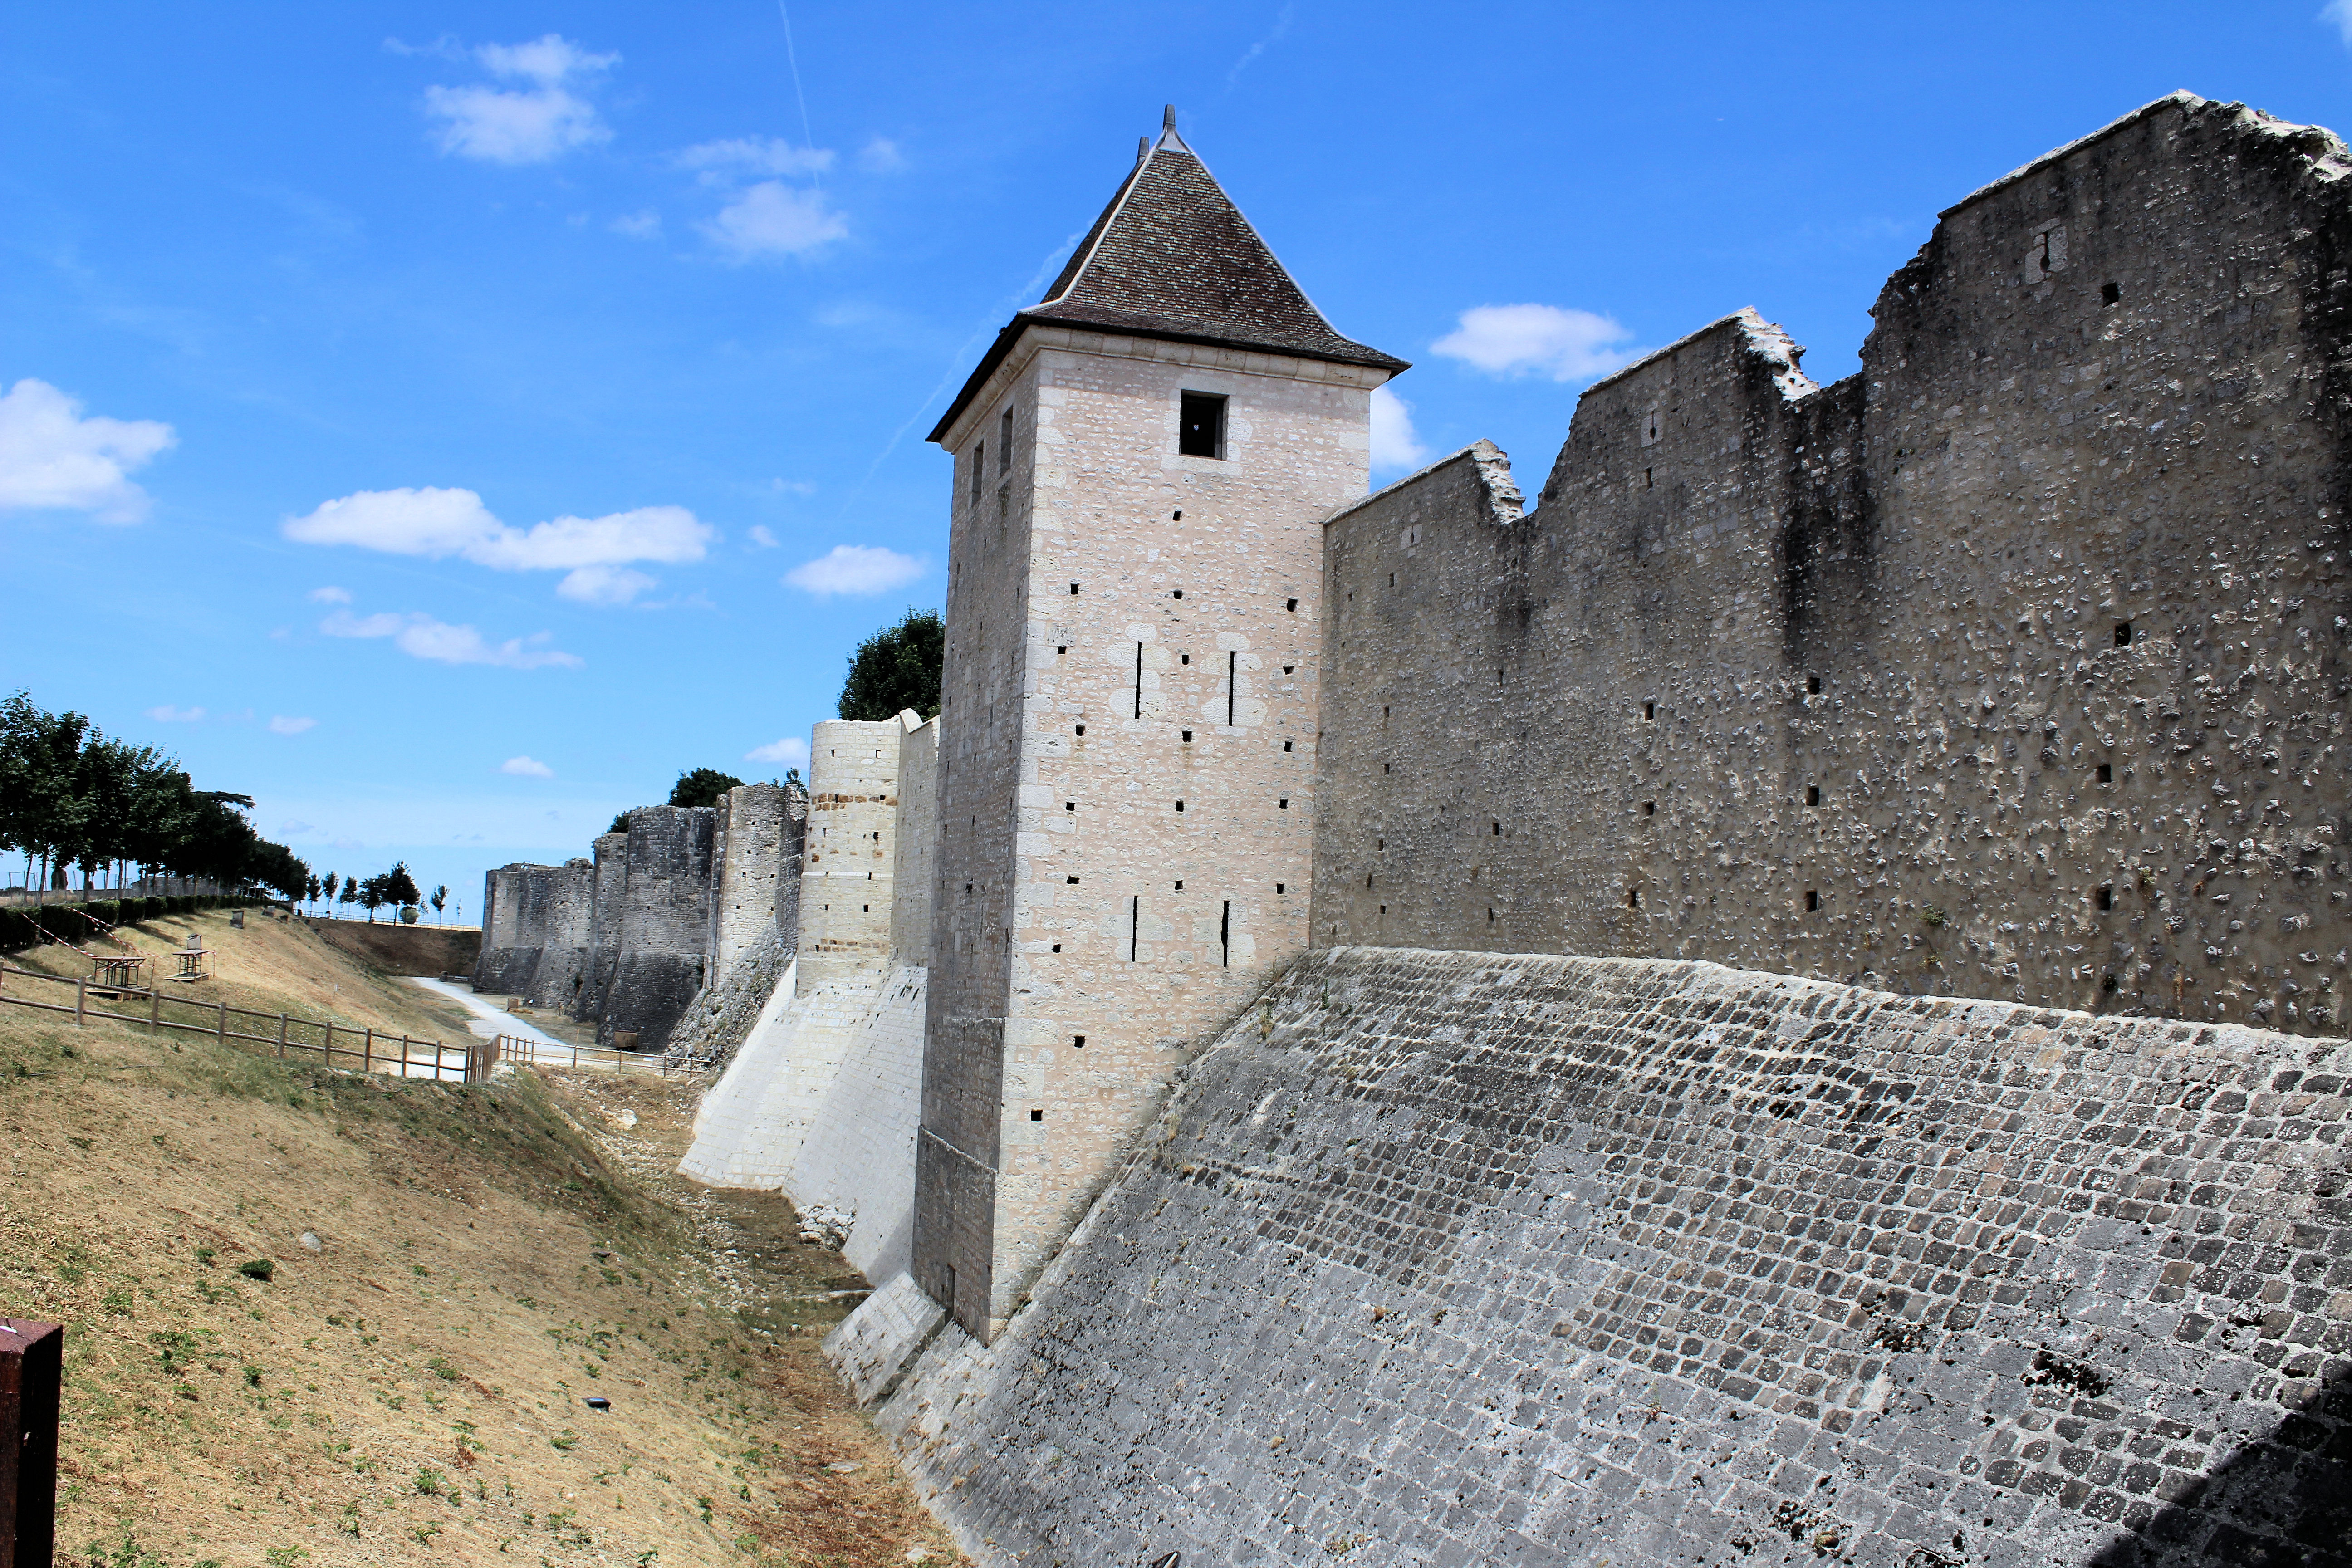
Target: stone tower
[1142,465]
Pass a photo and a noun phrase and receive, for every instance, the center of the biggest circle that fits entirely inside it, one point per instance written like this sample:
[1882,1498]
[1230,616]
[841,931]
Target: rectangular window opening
[2106,772]
[1649,808]
[2111,292]
[1134,926]
[1291,604]
[1280,888]
[1004,443]
[1813,794]
[1078,1042]
[1188,737]
[1649,712]
[1138,681]
[1812,899]
[1226,935]
[1286,746]
[1073,881]
[1232,677]
[2107,898]
[1069,805]
[1035,1115]
[2123,633]
[1813,684]
[1073,587]
[980,471]
[1179,805]
[1632,898]
[1200,424]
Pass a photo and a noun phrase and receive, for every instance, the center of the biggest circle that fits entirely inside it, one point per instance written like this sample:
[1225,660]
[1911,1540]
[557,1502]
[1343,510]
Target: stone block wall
[610,884]
[1127,764]
[664,919]
[1478,1258]
[756,867]
[510,945]
[916,835]
[849,886]
[2013,664]
[557,906]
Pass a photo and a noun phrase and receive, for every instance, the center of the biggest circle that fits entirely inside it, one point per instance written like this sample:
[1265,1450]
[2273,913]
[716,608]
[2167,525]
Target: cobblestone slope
[1462,1257]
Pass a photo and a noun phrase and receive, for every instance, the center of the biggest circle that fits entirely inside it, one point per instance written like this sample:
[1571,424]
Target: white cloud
[645,224]
[2340,13]
[294,824]
[881,156]
[1541,340]
[437,523]
[279,724]
[755,155]
[421,637]
[855,569]
[762,538]
[330,595]
[529,125]
[1394,445]
[772,218]
[525,768]
[167,714]
[52,457]
[791,751]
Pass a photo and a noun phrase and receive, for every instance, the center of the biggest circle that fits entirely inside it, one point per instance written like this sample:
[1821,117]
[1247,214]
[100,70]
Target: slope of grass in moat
[411,1390]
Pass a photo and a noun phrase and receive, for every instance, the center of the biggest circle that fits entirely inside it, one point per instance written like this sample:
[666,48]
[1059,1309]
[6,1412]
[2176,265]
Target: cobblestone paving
[1458,1257]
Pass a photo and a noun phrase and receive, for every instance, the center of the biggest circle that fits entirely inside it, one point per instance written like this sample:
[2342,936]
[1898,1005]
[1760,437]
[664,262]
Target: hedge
[21,928]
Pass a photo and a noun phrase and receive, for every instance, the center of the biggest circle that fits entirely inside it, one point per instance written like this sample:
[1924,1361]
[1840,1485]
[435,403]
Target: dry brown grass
[412,1391]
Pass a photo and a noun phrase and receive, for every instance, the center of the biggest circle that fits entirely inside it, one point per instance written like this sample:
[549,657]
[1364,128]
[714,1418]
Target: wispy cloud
[855,569]
[1282,20]
[52,457]
[281,724]
[793,752]
[1394,444]
[435,522]
[167,714]
[753,155]
[421,637]
[759,536]
[772,219]
[644,225]
[1563,343]
[2340,11]
[532,125]
[881,156]
[526,768]
[330,595]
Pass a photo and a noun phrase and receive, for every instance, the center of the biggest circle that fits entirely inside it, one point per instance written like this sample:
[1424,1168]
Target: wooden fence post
[223,1021]
[154,1007]
[81,1003]
[367,1051]
[281,1036]
[31,1371]
[329,1049]
[404,1057]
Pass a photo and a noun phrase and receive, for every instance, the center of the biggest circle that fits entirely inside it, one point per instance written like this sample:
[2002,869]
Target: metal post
[281,1036]
[32,1358]
[367,1052]
[81,1003]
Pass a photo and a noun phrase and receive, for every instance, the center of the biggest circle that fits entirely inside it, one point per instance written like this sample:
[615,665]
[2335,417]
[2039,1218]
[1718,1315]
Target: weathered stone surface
[2011,666]
[611,875]
[722,1015]
[755,872]
[510,940]
[557,907]
[1466,1258]
[664,915]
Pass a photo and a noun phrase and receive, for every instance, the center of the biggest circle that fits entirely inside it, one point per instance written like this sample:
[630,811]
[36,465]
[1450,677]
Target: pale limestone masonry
[1129,715]
[2011,666]
[847,884]
[916,836]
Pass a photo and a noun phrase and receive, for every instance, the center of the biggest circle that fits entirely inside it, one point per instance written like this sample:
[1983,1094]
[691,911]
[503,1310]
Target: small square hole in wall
[1499,830]
[1288,668]
[1082,729]
[1280,887]
[1813,794]
[1057,947]
[1490,917]
[1649,712]
[1286,746]
[1813,684]
[1384,908]
[1179,593]
[1063,648]
[2106,772]
[1073,587]
[1179,805]
[2107,897]
[1283,805]
[1073,881]
[1649,808]
[1037,1116]
[1176,516]
[2123,633]
[1078,1042]
[1290,603]
[2111,292]
[1180,884]
[1183,658]
[1188,737]
[1069,805]
[1632,898]
[1812,899]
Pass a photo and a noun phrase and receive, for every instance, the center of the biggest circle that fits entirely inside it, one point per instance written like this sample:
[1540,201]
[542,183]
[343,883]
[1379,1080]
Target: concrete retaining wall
[1479,1258]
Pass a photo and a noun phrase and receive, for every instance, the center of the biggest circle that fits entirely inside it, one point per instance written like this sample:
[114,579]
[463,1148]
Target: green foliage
[259,1268]
[620,823]
[703,786]
[896,667]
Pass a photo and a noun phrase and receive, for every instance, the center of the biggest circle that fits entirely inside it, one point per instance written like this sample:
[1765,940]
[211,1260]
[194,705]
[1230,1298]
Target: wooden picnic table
[191,963]
[118,972]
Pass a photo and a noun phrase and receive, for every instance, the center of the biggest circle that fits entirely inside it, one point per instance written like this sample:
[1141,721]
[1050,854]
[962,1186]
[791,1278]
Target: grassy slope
[411,1391]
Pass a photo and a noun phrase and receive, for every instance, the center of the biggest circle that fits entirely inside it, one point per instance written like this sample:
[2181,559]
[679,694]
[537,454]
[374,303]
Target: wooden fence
[590,1058]
[361,1049]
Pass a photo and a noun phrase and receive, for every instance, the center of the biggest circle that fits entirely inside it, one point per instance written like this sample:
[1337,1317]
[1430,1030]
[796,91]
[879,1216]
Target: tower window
[1180,884]
[1073,881]
[2111,292]
[1179,805]
[979,471]
[1188,737]
[1649,712]
[1037,1116]
[1632,898]
[1200,424]
[1649,808]
[1812,899]
[2123,633]
[2106,772]
[1813,794]
[1069,805]
[1813,684]
[1004,443]
[2107,898]
[1286,746]
[1280,887]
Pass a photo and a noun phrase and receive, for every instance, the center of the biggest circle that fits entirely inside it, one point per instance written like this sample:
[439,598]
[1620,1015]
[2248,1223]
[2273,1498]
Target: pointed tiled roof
[1172,257]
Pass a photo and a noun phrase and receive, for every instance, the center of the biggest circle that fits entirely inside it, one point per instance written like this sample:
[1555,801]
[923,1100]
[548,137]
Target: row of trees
[72,796]
[395,887]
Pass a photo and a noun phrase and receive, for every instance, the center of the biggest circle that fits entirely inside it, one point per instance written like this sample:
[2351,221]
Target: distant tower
[1143,462]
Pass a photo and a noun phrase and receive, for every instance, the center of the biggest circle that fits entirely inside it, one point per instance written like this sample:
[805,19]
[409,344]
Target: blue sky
[449,423]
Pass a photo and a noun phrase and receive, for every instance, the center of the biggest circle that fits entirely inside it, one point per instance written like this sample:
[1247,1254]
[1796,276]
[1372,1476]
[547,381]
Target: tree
[398,887]
[310,890]
[42,811]
[371,897]
[329,888]
[703,786]
[620,823]
[351,892]
[440,897]
[896,667]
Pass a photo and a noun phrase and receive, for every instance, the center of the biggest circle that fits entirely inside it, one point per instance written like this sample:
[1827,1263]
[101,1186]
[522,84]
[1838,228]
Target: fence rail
[563,1054]
[362,1049]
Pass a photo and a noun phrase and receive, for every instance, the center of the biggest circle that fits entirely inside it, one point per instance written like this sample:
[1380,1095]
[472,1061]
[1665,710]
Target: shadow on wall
[2284,1501]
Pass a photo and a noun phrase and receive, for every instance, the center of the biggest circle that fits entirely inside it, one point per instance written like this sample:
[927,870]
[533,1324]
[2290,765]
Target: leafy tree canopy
[703,786]
[896,667]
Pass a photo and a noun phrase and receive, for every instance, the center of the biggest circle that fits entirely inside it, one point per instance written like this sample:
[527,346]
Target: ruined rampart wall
[2011,666]
[664,918]
[1459,1257]
[608,883]
[559,905]
[512,934]
[756,864]
[916,835]
[847,887]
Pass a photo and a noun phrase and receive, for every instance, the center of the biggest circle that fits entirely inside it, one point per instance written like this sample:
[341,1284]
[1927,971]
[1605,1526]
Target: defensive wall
[2011,666]
[822,1099]
[1450,1257]
[755,871]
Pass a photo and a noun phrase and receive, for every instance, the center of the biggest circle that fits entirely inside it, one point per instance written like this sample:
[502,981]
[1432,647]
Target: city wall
[664,923]
[2013,666]
[1450,1257]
